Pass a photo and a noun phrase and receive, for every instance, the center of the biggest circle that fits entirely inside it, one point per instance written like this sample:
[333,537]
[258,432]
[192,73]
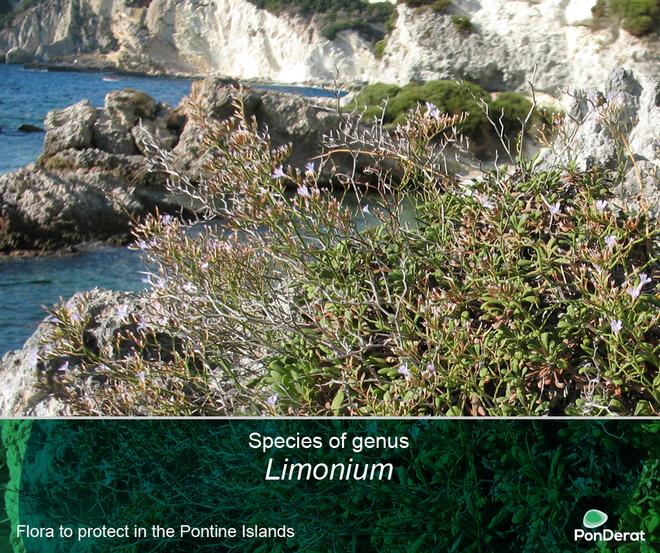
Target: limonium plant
[374,281]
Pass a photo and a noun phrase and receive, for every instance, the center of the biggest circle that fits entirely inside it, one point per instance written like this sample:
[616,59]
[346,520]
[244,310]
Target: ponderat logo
[593,519]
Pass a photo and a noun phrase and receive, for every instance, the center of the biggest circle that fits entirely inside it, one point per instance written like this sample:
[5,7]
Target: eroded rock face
[290,119]
[554,43]
[128,106]
[70,127]
[17,55]
[29,375]
[45,209]
[91,179]
[113,137]
[627,109]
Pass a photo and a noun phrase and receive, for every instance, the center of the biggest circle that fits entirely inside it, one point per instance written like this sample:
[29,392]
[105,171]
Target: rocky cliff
[93,177]
[558,41]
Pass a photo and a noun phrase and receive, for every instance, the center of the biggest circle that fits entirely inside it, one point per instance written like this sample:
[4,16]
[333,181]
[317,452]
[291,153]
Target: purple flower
[365,209]
[485,202]
[303,191]
[309,167]
[430,370]
[616,326]
[272,400]
[141,376]
[405,371]
[432,110]
[601,205]
[278,173]
[555,209]
[610,241]
[615,98]
[122,312]
[635,291]
[142,323]
[166,220]
[145,245]
[76,317]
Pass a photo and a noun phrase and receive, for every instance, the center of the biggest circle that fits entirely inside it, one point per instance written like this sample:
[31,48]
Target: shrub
[379,48]
[372,98]
[368,19]
[449,97]
[435,5]
[463,24]
[512,109]
[638,17]
[523,292]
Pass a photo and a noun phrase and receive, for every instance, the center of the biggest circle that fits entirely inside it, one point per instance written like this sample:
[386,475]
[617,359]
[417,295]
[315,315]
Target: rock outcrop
[90,181]
[94,175]
[555,43]
[29,375]
[289,118]
[617,125]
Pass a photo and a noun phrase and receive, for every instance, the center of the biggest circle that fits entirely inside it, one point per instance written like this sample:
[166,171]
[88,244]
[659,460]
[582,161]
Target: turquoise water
[28,285]
[26,96]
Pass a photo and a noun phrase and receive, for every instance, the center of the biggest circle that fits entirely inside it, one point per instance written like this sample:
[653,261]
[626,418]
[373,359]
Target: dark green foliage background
[334,16]
[466,486]
[450,97]
[638,17]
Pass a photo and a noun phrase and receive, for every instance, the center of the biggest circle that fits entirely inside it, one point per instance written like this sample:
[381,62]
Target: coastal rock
[71,127]
[17,55]
[553,43]
[30,375]
[45,209]
[43,379]
[289,118]
[629,107]
[128,106]
[92,179]
[26,127]
[112,137]
[160,133]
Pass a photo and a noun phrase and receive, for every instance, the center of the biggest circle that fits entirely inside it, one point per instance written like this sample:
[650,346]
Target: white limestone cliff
[556,41]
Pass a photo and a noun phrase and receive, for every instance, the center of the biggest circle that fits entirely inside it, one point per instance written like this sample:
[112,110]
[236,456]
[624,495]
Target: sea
[28,286]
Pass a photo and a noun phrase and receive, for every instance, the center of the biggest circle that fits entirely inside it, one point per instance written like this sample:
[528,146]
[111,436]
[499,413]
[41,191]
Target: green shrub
[435,5]
[453,98]
[334,16]
[462,23]
[511,108]
[522,292]
[379,48]
[638,17]
[449,97]
[372,97]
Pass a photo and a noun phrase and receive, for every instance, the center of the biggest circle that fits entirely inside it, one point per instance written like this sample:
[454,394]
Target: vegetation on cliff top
[638,17]
[394,104]
[526,291]
[369,19]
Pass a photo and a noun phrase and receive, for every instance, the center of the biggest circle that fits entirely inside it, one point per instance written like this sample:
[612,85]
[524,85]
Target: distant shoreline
[68,67]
